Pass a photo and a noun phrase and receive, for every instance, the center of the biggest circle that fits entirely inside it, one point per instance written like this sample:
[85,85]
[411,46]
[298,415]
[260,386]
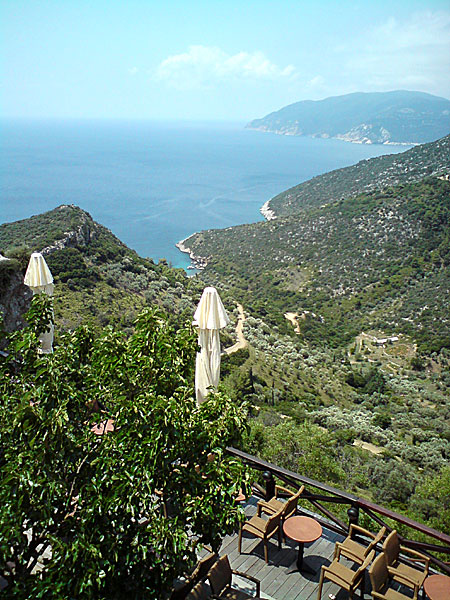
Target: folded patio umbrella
[40,280]
[209,317]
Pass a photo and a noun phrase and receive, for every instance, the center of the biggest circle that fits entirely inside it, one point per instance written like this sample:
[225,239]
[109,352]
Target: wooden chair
[399,571]
[380,580]
[220,578]
[344,577]
[198,592]
[263,529]
[196,577]
[354,550]
[287,508]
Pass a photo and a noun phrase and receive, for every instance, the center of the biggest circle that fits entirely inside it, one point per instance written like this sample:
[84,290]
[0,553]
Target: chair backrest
[273,522]
[204,565]
[391,547]
[197,575]
[198,592]
[291,505]
[378,572]
[220,575]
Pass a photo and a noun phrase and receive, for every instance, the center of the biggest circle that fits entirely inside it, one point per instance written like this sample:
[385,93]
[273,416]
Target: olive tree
[117,515]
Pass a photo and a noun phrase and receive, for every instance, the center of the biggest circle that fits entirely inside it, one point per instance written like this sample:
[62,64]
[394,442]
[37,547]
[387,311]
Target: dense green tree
[94,503]
[430,502]
[393,482]
[304,448]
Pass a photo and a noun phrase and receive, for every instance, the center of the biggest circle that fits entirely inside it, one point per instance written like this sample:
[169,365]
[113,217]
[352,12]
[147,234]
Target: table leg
[301,548]
[301,564]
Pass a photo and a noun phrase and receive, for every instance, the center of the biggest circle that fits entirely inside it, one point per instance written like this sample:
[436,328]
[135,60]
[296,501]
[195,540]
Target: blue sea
[155,183]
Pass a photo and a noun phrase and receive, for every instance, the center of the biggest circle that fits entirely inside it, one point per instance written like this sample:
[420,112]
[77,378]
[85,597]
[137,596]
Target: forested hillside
[98,278]
[348,327]
[345,320]
[380,260]
[365,176]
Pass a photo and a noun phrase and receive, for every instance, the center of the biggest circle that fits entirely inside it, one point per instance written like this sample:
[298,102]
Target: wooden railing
[318,493]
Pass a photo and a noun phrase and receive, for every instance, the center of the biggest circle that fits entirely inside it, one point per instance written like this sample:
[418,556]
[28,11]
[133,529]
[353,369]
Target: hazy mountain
[379,118]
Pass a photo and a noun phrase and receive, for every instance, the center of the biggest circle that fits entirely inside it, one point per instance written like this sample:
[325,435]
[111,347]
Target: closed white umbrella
[209,317]
[40,280]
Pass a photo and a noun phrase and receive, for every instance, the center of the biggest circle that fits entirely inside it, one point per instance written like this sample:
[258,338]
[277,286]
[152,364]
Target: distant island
[398,117]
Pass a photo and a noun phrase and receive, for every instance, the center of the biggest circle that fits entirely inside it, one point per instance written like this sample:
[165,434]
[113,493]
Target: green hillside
[320,292]
[98,278]
[380,117]
[347,323]
[376,261]
[365,176]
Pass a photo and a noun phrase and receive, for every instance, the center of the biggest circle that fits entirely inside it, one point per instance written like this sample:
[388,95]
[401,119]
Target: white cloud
[204,66]
[316,83]
[413,54]
[133,71]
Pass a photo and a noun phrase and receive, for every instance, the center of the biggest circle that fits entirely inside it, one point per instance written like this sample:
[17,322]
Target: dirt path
[241,341]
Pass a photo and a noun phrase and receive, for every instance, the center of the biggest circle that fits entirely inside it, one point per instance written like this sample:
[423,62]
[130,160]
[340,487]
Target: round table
[437,587]
[302,530]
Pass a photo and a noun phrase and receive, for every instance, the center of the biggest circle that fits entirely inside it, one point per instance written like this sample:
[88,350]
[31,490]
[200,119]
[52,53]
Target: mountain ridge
[397,117]
[383,395]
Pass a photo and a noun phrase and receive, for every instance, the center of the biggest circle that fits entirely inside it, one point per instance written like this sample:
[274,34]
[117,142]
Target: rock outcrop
[80,236]
[15,297]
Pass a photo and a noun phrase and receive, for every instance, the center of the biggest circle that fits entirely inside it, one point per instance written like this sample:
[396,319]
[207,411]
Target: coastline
[267,212]
[345,137]
[198,262]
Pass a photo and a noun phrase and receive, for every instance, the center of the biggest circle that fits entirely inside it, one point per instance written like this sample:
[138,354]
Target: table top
[302,529]
[437,587]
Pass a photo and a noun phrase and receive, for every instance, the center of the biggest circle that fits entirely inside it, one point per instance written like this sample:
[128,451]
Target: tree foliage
[81,514]
[431,501]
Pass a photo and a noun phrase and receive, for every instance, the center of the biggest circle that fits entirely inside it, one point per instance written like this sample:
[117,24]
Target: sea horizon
[156,182]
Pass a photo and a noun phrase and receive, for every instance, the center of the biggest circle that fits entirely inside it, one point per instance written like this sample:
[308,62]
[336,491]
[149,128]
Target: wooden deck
[280,580]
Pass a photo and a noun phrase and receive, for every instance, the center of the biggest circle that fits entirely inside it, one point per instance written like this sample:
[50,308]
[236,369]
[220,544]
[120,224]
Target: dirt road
[241,341]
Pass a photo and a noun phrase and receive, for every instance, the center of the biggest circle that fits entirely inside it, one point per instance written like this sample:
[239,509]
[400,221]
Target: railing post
[353,515]
[270,485]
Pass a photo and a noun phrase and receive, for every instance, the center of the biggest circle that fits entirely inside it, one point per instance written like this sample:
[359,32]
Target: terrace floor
[280,580]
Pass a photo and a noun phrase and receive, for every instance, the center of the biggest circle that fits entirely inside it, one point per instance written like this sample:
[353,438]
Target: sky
[213,59]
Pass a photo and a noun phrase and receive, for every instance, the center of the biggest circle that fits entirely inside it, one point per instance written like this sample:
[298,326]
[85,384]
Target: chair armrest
[419,557]
[393,572]
[280,488]
[250,578]
[262,505]
[359,572]
[337,577]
